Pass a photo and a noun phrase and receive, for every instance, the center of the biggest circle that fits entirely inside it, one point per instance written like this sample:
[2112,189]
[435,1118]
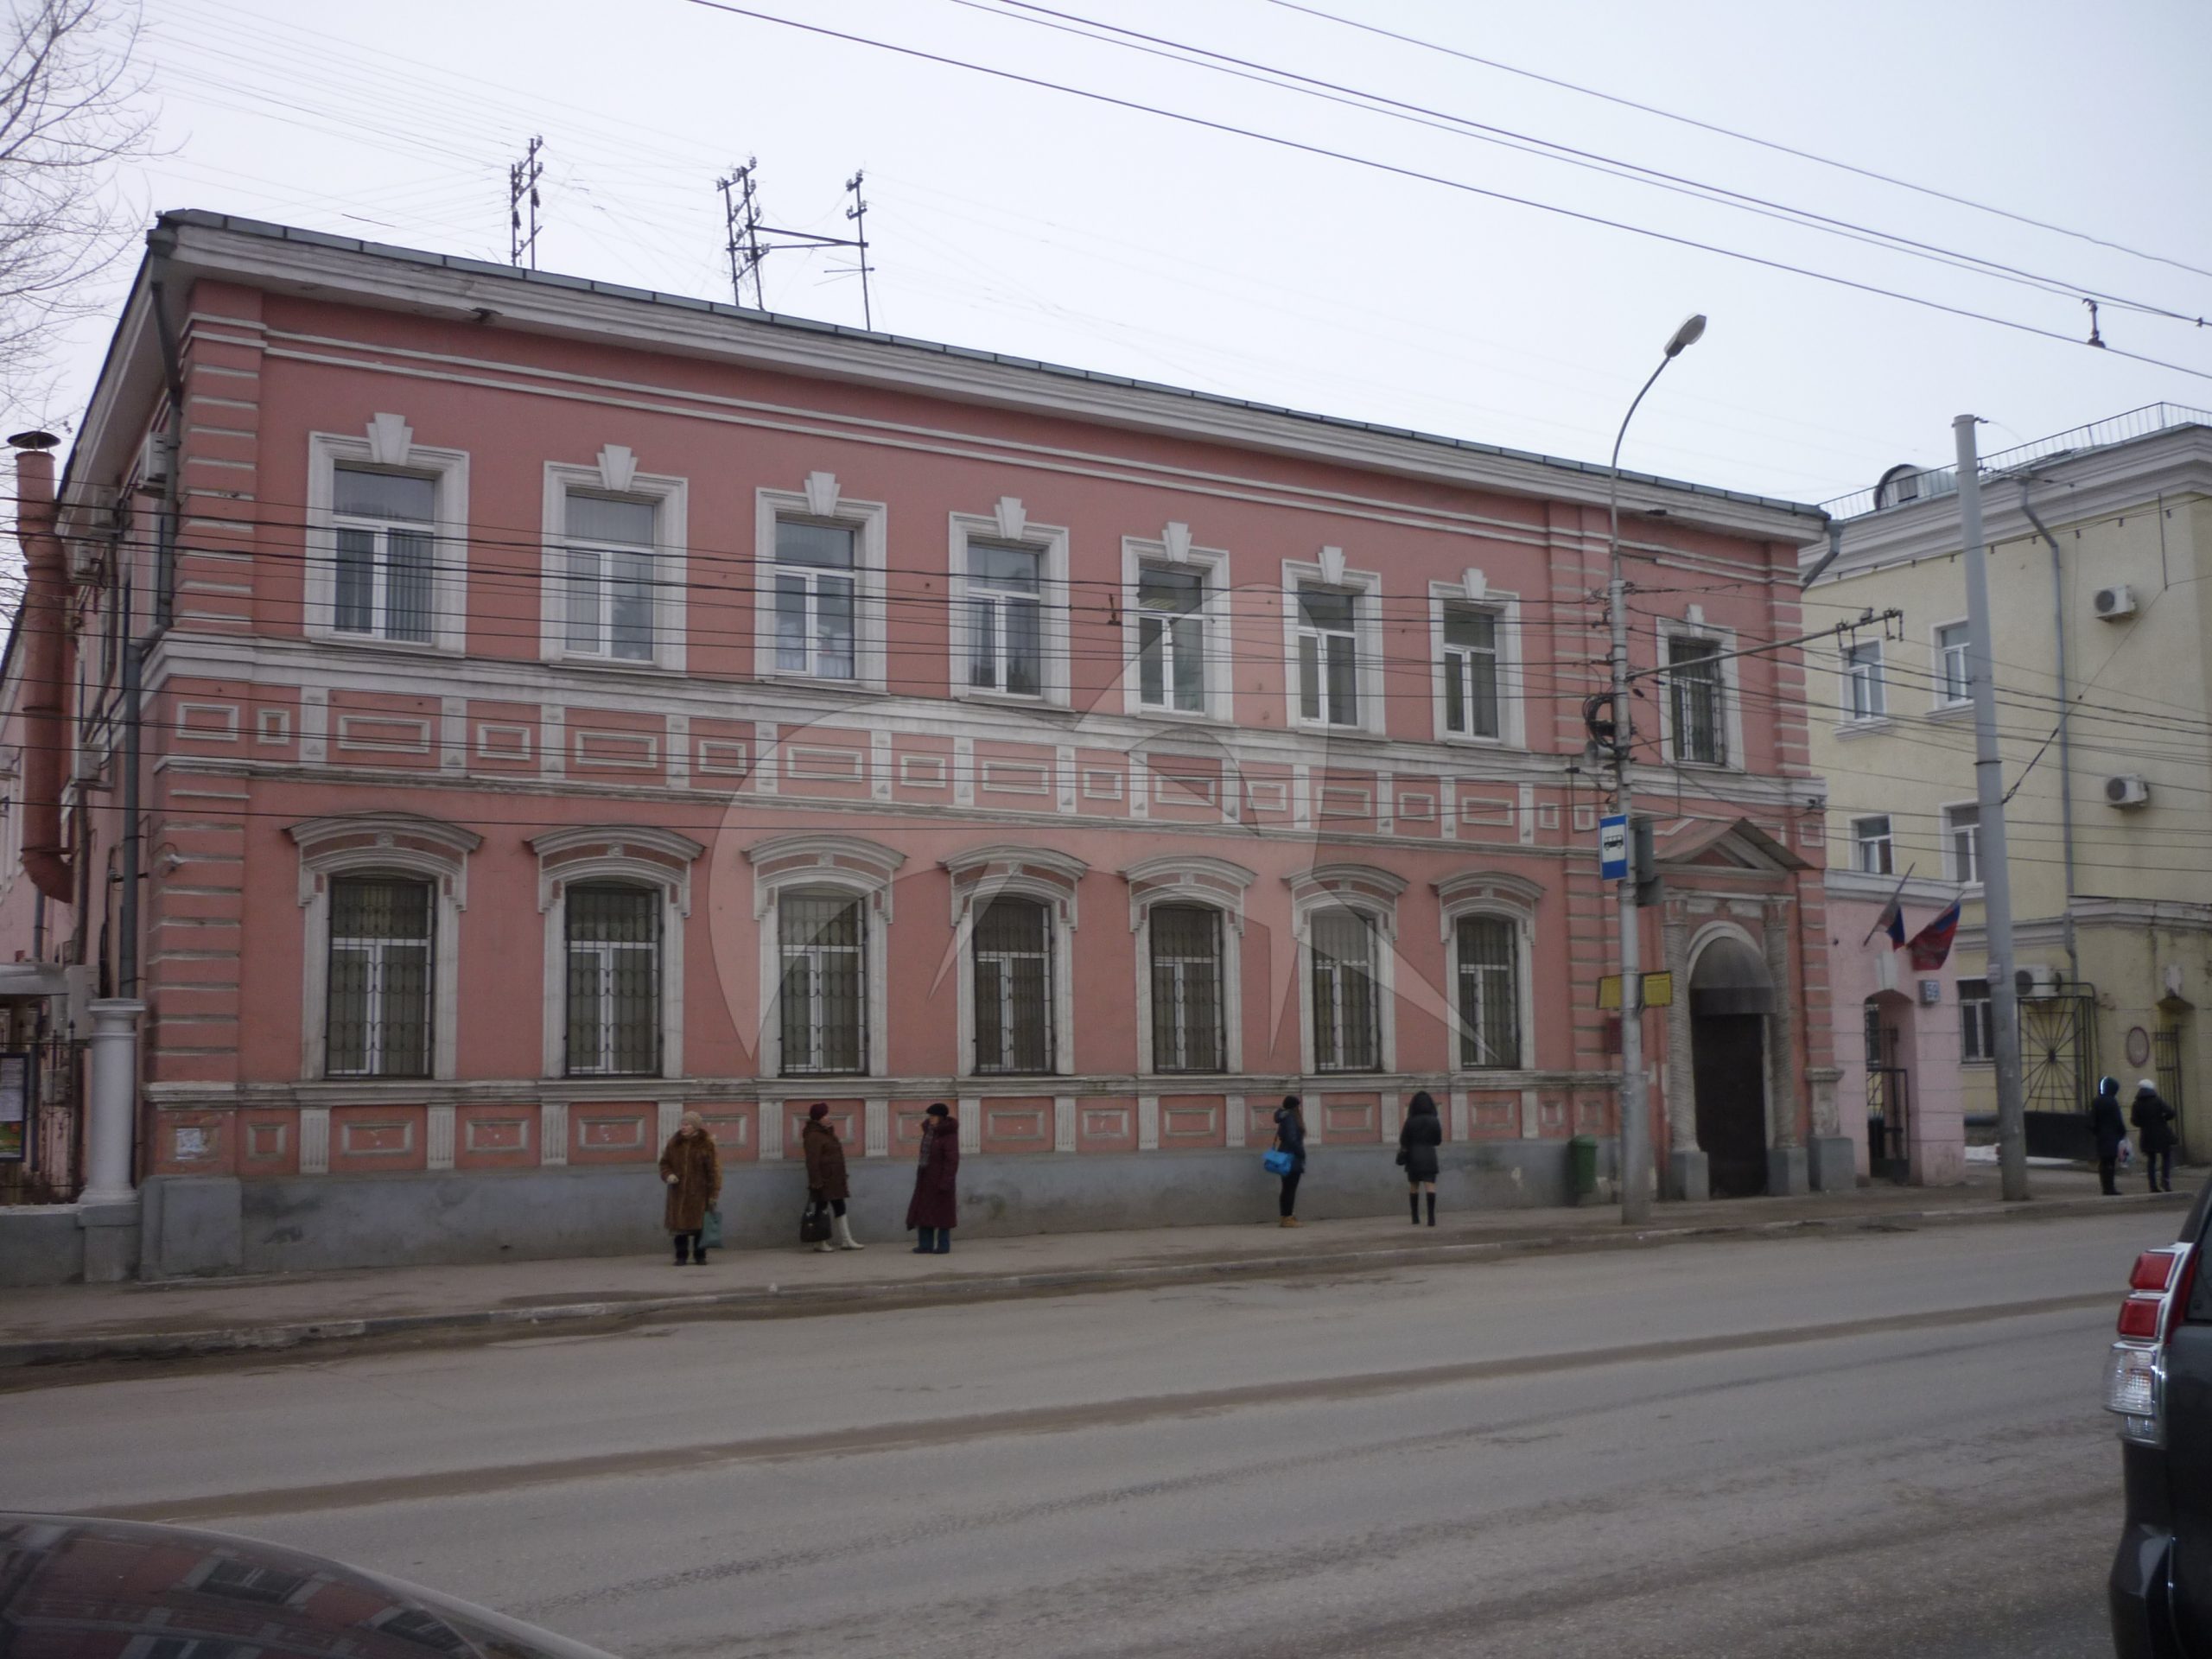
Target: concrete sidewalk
[181,1318]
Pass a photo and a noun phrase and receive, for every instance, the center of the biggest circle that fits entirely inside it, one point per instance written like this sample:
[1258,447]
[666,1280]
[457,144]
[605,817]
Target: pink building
[564,706]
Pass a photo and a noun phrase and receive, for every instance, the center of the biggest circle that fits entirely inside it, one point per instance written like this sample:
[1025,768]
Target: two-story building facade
[562,706]
[2100,545]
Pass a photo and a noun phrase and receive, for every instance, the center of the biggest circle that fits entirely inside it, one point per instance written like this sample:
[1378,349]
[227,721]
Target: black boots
[1413,1202]
[1431,1209]
[683,1248]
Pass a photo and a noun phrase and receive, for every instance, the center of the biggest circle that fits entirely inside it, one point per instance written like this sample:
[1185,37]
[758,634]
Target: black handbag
[1402,1157]
[814,1224]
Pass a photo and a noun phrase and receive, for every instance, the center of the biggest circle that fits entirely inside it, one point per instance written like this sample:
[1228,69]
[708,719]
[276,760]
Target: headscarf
[1422,1104]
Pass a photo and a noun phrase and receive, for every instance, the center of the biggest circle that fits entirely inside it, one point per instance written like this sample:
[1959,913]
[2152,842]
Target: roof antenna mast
[522,184]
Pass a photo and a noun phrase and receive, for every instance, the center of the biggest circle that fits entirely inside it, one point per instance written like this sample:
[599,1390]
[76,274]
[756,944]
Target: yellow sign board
[1658,991]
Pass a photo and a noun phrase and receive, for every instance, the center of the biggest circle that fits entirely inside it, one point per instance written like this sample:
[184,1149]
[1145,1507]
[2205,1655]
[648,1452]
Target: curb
[781,1302]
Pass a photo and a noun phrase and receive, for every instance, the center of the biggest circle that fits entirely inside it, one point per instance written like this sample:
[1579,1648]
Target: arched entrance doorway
[1731,996]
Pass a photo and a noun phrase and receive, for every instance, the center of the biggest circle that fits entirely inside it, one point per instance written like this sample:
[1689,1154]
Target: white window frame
[1887,839]
[870,520]
[1174,549]
[397,844]
[845,866]
[1731,712]
[1512,714]
[1052,877]
[389,447]
[1953,870]
[1199,881]
[1938,702]
[1366,586]
[611,475]
[1986,1022]
[1509,897]
[1854,673]
[1375,892]
[1009,523]
[622,860]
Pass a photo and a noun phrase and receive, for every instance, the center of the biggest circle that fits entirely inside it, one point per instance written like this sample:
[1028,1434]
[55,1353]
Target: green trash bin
[1582,1156]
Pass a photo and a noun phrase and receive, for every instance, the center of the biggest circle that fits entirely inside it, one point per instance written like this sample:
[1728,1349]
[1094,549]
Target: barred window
[1345,1033]
[613,981]
[1489,993]
[1187,1029]
[381,954]
[1694,693]
[1014,987]
[825,997]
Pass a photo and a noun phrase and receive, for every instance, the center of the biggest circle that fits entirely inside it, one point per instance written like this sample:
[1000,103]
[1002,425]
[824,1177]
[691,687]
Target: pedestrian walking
[1417,1143]
[936,1204]
[2110,1128]
[1290,1138]
[826,1184]
[692,1172]
[2154,1132]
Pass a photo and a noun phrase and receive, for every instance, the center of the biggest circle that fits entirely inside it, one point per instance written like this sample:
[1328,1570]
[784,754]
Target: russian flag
[1931,946]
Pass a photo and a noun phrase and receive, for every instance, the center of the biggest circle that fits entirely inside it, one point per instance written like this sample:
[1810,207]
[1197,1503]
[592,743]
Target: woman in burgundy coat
[936,1205]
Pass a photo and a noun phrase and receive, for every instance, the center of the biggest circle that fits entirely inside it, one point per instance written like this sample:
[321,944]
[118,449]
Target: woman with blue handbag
[1286,1158]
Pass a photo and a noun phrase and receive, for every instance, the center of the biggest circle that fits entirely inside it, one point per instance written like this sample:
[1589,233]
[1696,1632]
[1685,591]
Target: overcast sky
[1032,221]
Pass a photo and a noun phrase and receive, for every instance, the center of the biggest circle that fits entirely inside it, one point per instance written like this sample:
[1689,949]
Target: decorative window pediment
[984,873]
[1188,879]
[385,841]
[850,863]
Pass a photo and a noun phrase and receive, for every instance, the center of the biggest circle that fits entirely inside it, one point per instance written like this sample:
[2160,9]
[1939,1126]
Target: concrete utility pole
[1636,1105]
[1989,790]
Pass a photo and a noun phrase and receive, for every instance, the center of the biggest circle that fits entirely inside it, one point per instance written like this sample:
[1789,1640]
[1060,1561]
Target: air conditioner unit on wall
[2128,789]
[2035,979]
[2114,603]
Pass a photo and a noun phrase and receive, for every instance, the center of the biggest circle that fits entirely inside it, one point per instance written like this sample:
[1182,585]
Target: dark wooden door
[1728,1055]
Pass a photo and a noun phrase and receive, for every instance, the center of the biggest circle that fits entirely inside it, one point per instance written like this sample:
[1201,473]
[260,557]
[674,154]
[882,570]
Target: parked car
[2159,1383]
[91,1588]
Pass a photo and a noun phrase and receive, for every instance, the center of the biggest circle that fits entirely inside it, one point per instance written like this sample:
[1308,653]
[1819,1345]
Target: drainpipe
[1835,548]
[2065,725]
[49,652]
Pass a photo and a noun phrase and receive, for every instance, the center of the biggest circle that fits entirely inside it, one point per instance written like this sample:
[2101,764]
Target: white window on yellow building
[1871,847]
[1962,844]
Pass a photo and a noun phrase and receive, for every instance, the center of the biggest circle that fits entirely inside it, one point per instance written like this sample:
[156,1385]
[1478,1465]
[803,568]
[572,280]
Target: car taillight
[2135,1372]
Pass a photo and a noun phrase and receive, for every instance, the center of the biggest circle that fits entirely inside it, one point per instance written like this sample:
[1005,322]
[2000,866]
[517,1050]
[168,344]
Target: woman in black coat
[2110,1129]
[1290,1137]
[1417,1144]
[2154,1130]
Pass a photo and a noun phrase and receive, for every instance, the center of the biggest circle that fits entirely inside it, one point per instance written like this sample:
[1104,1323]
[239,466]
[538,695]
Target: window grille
[1005,617]
[1014,987]
[613,981]
[825,996]
[1471,671]
[1328,656]
[384,553]
[611,576]
[1171,639]
[1694,690]
[381,952]
[1188,1033]
[1345,1037]
[1489,993]
[815,565]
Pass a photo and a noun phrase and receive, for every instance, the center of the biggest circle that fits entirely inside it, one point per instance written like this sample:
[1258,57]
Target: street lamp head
[1687,335]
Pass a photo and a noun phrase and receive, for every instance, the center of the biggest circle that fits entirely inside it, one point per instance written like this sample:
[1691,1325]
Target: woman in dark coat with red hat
[936,1205]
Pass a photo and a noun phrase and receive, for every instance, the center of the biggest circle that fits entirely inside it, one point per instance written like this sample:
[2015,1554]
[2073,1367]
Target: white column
[314,1139]
[114,1101]
[438,1152]
[1234,1118]
[1147,1123]
[1063,1122]
[552,1134]
[876,1126]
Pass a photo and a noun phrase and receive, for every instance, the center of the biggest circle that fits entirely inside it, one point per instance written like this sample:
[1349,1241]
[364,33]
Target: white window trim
[1937,702]
[1367,631]
[1514,899]
[1512,722]
[1731,693]
[820,500]
[1988,1020]
[389,444]
[619,865]
[1947,831]
[611,475]
[1362,888]
[1845,712]
[986,873]
[850,868]
[1890,838]
[1009,522]
[1174,548]
[443,862]
[1213,884]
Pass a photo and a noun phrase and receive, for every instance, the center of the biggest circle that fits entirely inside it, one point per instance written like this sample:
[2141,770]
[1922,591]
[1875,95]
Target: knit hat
[938,1109]
[2146,1087]
[819,1110]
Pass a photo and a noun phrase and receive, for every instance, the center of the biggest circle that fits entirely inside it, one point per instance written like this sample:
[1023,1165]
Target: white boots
[845,1239]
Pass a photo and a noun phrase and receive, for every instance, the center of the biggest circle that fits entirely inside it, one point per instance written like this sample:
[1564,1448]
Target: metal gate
[2058,1049]
[1889,1155]
[2165,1062]
[56,1164]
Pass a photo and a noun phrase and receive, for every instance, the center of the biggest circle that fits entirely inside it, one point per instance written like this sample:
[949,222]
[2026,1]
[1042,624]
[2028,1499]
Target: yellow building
[2100,587]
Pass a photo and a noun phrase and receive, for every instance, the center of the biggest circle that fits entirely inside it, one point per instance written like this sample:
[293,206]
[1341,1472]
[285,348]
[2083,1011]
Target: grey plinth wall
[197,1225]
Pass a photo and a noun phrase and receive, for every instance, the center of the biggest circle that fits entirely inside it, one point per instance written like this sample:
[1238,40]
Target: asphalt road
[1883,1444]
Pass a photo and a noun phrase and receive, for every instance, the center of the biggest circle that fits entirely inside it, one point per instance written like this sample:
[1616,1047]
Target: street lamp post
[1635,1107]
